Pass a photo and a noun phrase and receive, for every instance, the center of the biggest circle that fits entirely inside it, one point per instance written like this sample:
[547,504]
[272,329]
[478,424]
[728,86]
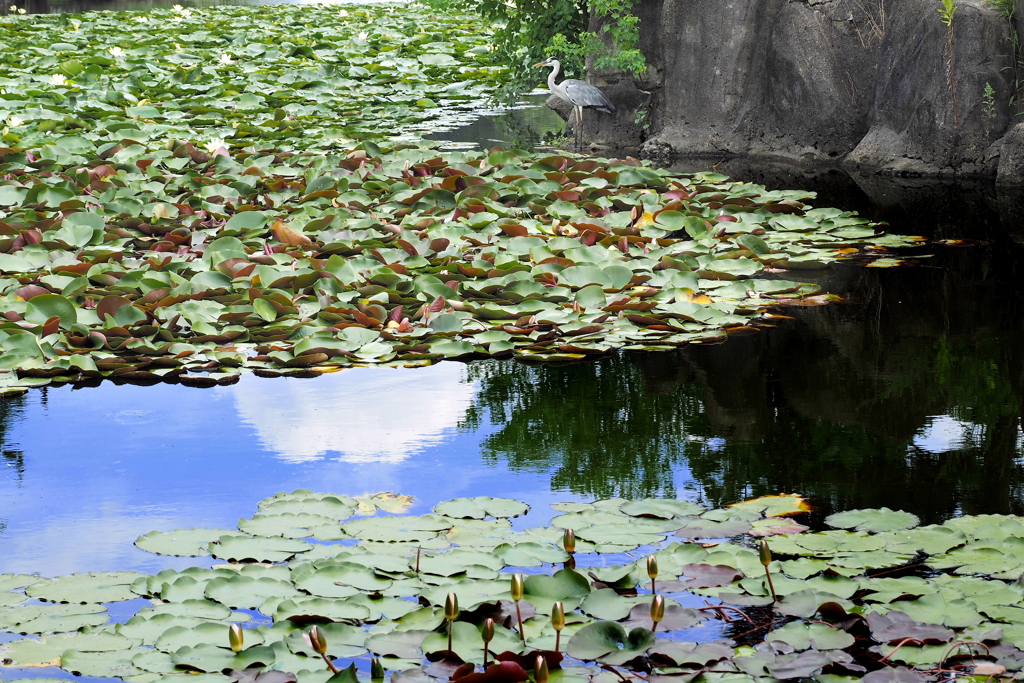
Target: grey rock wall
[858,82]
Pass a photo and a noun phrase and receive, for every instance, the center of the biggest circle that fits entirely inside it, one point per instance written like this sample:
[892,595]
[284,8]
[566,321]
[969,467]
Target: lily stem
[330,664]
[519,618]
[558,641]
[771,586]
[451,627]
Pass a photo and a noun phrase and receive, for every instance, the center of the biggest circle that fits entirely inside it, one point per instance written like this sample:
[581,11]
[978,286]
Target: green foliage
[988,100]
[1008,9]
[528,31]
[475,254]
[947,11]
[312,77]
[622,28]
[384,599]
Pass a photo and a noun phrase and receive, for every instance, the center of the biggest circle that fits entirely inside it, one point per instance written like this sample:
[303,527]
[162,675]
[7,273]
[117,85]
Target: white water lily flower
[343,13]
[178,48]
[58,79]
[116,51]
[13,121]
[141,20]
[226,59]
[214,144]
[363,35]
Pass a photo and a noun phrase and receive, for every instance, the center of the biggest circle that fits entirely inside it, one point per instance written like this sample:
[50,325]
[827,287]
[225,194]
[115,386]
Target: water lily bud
[517,587]
[569,541]
[317,640]
[652,567]
[488,632]
[764,553]
[236,637]
[558,616]
[376,669]
[451,607]
[657,609]
[540,670]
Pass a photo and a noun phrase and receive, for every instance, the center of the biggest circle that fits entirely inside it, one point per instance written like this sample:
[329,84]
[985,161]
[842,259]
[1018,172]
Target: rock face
[859,82]
[1011,158]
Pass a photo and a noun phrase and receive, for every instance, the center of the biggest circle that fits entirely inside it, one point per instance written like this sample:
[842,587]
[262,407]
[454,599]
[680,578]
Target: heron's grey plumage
[579,94]
[587,96]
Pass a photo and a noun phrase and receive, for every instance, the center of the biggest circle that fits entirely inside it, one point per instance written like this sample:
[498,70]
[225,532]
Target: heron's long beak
[540,64]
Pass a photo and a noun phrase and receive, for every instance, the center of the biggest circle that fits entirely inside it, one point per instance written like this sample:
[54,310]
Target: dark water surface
[909,396]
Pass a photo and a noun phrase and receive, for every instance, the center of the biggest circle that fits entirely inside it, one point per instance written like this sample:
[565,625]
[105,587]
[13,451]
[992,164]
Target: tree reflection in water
[908,397]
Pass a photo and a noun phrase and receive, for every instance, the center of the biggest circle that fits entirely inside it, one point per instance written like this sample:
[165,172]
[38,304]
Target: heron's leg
[579,129]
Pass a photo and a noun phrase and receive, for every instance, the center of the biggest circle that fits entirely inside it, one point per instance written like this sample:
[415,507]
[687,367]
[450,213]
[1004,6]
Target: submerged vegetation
[326,586]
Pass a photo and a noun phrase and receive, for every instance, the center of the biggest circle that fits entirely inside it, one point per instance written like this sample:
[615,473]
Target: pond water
[907,395]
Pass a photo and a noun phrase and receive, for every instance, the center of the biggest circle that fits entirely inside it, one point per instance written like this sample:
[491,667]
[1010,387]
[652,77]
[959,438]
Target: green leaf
[882,519]
[264,310]
[608,642]
[83,588]
[181,542]
[42,308]
[257,548]
[481,507]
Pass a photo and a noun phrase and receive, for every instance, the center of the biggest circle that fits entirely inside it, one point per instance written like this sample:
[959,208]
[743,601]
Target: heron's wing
[585,95]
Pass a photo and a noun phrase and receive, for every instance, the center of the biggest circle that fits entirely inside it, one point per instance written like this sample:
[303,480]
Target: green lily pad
[340,580]
[240,592]
[331,506]
[108,664]
[177,637]
[181,542]
[481,507]
[46,651]
[609,642]
[660,508]
[257,548]
[83,588]
[287,524]
[411,529]
[41,619]
[800,636]
[882,519]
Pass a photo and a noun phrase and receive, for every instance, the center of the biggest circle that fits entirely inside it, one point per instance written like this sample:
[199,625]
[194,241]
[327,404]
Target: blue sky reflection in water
[103,465]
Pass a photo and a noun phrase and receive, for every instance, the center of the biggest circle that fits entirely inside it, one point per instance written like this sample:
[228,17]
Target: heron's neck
[555,69]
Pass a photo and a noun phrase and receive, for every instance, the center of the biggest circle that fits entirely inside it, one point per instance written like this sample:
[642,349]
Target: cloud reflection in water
[364,415]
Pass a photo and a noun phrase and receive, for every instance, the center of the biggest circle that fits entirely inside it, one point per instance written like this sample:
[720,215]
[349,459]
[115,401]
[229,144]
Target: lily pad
[181,542]
[882,519]
[257,548]
[85,588]
[481,507]
[609,642]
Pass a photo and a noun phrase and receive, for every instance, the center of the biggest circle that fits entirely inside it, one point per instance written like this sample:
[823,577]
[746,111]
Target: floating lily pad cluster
[298,77]
[142,263]
[878,597]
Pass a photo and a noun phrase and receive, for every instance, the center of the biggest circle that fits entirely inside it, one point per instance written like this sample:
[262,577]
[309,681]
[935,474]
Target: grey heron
[579,94]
